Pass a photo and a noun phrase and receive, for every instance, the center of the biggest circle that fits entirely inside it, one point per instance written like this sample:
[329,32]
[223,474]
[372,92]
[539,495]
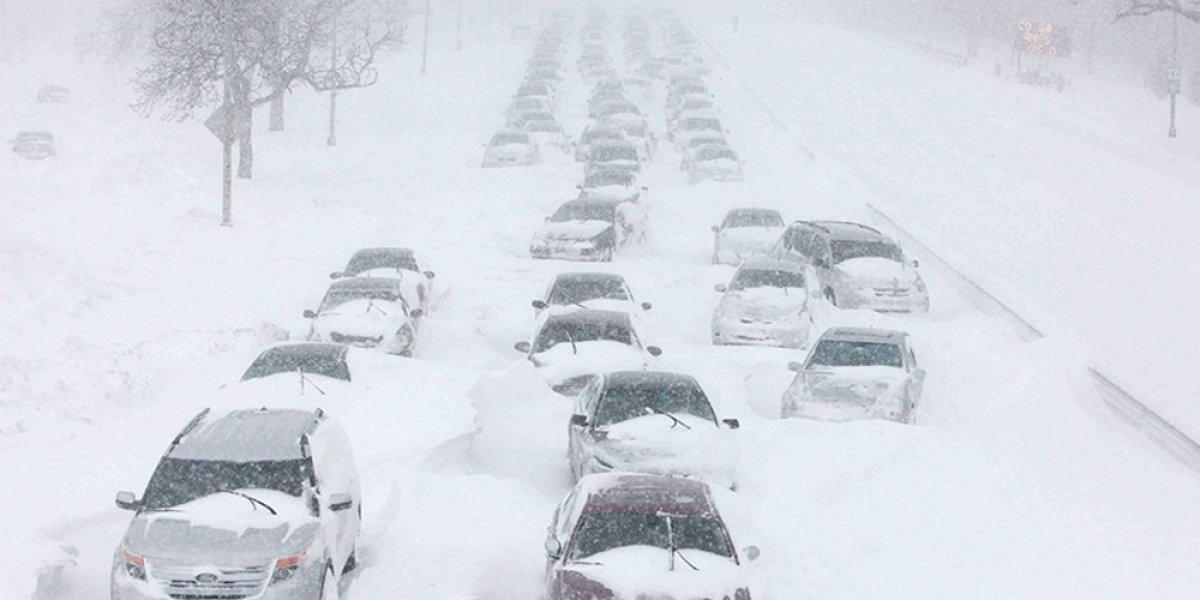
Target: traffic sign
[229,123]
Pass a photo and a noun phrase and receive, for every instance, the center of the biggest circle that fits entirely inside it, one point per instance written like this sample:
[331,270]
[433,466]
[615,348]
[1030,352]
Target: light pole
[332,140]
[425,41]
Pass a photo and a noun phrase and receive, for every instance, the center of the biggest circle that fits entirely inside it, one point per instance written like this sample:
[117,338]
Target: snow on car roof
[763,263]
[588,315]
[588,277]
[365,283]
[849,230]
[864,334]
[628,492]
[247,435]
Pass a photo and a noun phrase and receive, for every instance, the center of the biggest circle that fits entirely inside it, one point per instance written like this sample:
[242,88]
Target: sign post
[1174,86]
[229,124]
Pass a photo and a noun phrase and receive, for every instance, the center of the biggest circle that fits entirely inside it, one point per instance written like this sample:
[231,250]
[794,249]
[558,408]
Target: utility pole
[1173,75]
[227,141]
[458,27]
[425,41]
[332,140]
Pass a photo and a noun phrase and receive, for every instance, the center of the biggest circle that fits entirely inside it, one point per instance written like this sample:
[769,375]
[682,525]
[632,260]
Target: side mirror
[128,501]
[523,347]
[335,275]
[553,548]
[340,502]
[430,274]
[716,229]
[416,313]
[647,306]
[579,187]
[720,287]
[540,304]
[732,423]
[752,553]
[795,366]
[645,188]
[310,314]
[579,421]
[654,350]
[916,264]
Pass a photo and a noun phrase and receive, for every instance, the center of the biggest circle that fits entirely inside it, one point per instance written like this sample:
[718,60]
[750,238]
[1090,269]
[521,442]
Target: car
[695,125]
[594,133]
[744,233]
[856,373]
[549,133]
[766,303]
[589,229]
[53,94]
[637,131]
[570,345]
[543,90]
[589,290]
[611,108]
[713,162]
[511,147]
[857,266]
[520,106]
[649,422]
[416,282]
[34,145]
[525,118]
[697,141]
[684,87]
[625,535]
[612,184]
[612,154]
[305,358]
[366,312]
[691,103]
[249,503]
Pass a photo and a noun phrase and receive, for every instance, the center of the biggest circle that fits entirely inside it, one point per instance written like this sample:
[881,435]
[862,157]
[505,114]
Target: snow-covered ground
[126,307]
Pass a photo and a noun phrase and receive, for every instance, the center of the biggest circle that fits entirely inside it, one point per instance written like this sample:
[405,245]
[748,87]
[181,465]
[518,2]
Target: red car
[622,536]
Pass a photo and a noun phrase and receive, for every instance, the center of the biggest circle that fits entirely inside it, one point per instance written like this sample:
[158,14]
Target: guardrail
[1131,410]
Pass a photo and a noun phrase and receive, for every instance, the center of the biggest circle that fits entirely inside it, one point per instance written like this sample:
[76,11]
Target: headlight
[404,337]
[135,566]
[286,567]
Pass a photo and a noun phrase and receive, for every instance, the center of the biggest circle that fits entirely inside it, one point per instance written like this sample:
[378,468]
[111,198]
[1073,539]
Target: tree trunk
[276,113]
[246,153]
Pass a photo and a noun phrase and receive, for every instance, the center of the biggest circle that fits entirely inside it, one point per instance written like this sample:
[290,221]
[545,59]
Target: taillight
[135,566]
[286,567]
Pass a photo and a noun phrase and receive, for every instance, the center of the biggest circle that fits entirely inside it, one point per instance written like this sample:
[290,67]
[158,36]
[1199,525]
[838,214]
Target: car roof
[864,334]
[258,434]
[629,492]
[589,316]
[762,263]
[847,230]
[752,210]
[385,251]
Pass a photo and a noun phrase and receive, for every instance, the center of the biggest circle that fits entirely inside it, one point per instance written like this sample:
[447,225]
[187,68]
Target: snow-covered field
[126,307]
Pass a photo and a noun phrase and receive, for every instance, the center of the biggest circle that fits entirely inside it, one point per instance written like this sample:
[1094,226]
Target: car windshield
[631,400]
[560,332]
[178,481]
[844,353]
[757,278]
[379,260]
[339,296]
[601,531]
[602,134]
[619,108]
[715,153]
[848,249]
[701,125]
[584,212]
[608,177]
[576,291]
[753,218]
[504,139]
[285,360]
[607,153]
[543,127]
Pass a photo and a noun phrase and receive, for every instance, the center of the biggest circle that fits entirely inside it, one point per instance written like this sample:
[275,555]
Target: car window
[504,139]
[557,332]
[630,400]
[380,260]
[289,360]
[601,531]
[178,481]
[757,278]
[575,291]
[845,353]
[752,218]
[847,249]
[578,211]
[336,297]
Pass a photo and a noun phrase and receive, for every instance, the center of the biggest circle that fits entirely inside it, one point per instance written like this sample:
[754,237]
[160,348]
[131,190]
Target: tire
[830,296]
[351,562]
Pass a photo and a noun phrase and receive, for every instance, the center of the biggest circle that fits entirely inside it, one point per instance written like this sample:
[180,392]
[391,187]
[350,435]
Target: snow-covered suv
[858,267]
[259,503]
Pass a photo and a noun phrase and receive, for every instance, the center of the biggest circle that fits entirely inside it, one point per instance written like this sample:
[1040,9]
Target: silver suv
[258,503]
[857,266]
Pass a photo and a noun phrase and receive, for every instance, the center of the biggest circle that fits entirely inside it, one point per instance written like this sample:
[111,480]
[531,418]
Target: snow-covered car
[254,503]
[612,184]
[650,422]
[511,148]
[34,145]
[589,290]
[542,90]
[693,125]
[682,87]
[366,312]
[637,131]
[610,154]
[713,162]
[639,89]
[593,134]
[745,233]
[589,229]
[856,373]
[766,303]
[549,133]
[521,106]
[858,267]
[572,345]
[697,142]
[304,358]
[691,103]
[613,108]
[416,282]
[635,536]
[527,117]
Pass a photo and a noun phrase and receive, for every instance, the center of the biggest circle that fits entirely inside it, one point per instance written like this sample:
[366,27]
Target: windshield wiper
[656,411]
[574,348]
[371,305]
[255,502]
[671,547]
[304,380]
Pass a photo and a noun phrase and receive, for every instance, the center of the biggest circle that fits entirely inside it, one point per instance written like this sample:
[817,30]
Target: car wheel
[351,562]
[830,296]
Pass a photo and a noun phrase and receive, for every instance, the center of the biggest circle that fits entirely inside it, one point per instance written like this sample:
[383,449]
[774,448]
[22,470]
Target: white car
[856,373]
[416,280]
[549,133]
[713,162]
[610,154]
[590,229]
[594,133]
[745,233]
[511,148]
[692,126]
[521,106]
[650,422]
[612,184]
[570,346]
[589,290]
[766,304]
[366,312]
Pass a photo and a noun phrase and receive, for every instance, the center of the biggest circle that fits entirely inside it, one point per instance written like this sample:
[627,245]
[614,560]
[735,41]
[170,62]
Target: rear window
[842,353]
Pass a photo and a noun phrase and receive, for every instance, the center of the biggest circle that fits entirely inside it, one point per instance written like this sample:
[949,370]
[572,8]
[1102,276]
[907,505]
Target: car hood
[223,527]
[509,150]
[561,362]
[717,165]
[857,386]
[642,572]
[764,302]
[612,192]
[877,272]
[655,444]
[354,318]
[572,230]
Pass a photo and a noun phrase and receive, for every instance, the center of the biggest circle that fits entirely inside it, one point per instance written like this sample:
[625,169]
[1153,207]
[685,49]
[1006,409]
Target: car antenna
[655,411]
[672,549]
[574,348]
[305,380]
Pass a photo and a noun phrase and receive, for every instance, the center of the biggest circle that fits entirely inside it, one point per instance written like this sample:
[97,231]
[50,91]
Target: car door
[577,434]
[915,370]
[333,465]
